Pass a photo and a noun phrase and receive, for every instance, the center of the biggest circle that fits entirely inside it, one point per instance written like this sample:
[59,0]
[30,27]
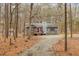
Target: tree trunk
[65,26]
[6,20]
[70,21]
[10,22]
[24,28]
[30,18]
[16,20]
[0,19]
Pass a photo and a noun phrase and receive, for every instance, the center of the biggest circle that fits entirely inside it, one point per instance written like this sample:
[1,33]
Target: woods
[26,24]
[14,12]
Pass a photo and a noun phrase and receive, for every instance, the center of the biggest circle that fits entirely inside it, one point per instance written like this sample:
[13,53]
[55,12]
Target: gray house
[43,28]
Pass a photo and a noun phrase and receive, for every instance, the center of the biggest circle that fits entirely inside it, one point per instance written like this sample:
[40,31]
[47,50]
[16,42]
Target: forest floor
[45,45]
[16,47]
[72,47]
[42,48]
[52,45]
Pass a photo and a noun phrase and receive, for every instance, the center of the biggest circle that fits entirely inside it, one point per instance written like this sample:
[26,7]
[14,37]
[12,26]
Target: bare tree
[16,20]
[10,17]
[70,20]
[65,6]
[30,18]
[0,15]
[6,20]
[10,21]
[0,12]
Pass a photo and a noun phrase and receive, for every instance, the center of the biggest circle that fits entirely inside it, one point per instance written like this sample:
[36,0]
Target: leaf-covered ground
[17,46]
[72,45]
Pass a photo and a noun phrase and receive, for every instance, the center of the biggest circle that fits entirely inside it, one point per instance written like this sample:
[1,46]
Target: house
[43,28]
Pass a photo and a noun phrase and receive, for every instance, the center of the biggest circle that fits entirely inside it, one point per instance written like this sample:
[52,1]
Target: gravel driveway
[42,48]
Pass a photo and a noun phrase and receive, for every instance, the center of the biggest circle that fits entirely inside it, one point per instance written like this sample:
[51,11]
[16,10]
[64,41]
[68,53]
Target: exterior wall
[47,28]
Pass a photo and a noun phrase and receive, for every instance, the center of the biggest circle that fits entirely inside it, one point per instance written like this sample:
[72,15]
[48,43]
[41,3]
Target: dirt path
[42,48]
